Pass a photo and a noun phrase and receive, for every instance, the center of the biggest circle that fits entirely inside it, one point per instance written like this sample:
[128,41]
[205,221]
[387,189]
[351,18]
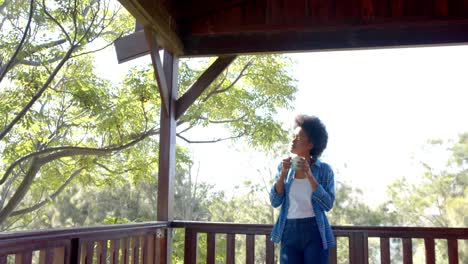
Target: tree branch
[217,90]
[36,96]
[73,151]
[20,45]
[56,22]
[96,50]
[21,190]
[224,121]
[209,141]
[51,197]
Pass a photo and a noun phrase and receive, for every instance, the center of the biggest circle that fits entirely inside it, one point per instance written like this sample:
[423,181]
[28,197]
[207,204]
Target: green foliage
[440,198]
[109,130]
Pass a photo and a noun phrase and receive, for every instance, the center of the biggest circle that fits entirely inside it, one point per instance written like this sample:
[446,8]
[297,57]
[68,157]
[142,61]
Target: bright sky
[379,106]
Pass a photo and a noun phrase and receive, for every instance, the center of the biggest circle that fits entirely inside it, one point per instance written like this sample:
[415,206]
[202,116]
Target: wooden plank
[153,13]
[190,246]
[46,256]
[333,255]
[270,250]
[211,247]
[3,259]
[89,252]
[102,252]
[58,256]
[132,46]
[429,250]
[250,249]
[441,8]
[125,250]
[114,251]
[407,251]
[144,249]
[150,249]
[23,258]
[452,245]
[397,8]
[215,69]
[161,246]
[384,250]
[230,248]
[158,70]
[135,250]
[344,38]
[358,249]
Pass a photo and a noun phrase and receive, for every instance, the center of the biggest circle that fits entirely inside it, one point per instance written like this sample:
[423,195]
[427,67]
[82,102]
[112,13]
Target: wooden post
[167,147]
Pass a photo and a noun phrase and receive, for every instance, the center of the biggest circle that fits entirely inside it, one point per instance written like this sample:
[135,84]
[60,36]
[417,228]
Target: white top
[300,199]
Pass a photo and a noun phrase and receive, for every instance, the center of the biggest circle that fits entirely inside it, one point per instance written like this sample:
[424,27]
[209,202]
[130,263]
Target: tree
[63,126]
[440,198]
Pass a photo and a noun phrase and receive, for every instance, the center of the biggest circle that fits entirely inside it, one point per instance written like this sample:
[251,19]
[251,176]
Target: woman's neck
[305,155]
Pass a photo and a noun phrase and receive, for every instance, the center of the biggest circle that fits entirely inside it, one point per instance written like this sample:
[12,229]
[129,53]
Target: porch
[210,29]
[146,243]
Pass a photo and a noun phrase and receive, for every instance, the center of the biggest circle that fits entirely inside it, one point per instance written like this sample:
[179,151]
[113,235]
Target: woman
[304,188]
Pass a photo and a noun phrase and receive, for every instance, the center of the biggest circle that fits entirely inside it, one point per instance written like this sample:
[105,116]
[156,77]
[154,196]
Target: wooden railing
[145,243]
[132,243]
[192,229]
[357,237]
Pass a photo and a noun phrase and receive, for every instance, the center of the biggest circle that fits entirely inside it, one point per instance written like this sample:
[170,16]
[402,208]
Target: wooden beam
[215,69]
[152,13]
[341,38]
[131,47]
[158,71]
[167,156]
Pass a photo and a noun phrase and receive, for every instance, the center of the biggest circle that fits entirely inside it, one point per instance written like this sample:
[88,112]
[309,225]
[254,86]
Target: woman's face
[300,144]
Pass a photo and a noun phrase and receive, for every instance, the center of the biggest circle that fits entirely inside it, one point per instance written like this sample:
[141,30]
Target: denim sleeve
[324,195]
[276,199]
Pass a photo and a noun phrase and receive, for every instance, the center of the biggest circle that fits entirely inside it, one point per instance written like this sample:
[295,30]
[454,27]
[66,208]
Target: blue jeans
[301,243]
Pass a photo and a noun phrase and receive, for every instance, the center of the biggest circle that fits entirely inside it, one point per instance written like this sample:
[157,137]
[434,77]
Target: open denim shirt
[322,201]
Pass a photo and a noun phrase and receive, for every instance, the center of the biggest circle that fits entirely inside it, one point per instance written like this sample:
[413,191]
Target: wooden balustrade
[132,243]
[357,236]
[142,243]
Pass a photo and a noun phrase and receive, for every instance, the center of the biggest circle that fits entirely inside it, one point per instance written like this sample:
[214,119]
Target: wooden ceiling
[215,27]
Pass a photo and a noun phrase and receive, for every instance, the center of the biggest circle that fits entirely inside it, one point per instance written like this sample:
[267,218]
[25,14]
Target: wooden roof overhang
[215,27]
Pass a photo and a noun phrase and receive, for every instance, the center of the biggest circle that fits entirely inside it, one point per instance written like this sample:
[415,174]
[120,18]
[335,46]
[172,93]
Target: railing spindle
[358,249]
[23,258]
[211,247]
[407,251]
[230,248]
[250,249]
[46,256]
[429,249]
[190,246]
[452,245]
[125,252]
[114,251]
[384,250]
[333,255]
[136,250]
[102,252]
[161,245]
[151,244]
[144,249]
[270,250]
[89,252]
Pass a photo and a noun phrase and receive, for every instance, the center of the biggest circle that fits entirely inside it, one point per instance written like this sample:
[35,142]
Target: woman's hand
[304,165]
[286,165]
